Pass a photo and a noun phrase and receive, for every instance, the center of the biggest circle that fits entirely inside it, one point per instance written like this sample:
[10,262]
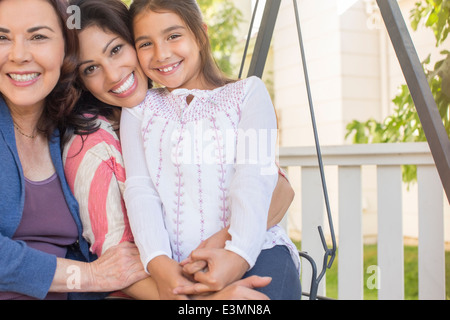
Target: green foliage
[404,124]
[436,13]
[222,18]
[127,2]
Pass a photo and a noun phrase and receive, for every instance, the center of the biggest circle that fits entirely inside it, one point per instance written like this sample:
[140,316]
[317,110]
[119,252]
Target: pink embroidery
[179,194]
[223,204]
[146,130]
[226,99]
[200,191]
[158,174]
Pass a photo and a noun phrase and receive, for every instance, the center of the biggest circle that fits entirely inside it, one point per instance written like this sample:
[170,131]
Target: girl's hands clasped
[223,267]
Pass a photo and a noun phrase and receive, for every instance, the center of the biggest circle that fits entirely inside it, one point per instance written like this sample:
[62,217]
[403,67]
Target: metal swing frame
[416,80]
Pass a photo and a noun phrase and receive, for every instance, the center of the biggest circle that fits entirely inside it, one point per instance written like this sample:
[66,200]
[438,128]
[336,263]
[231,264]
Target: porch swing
[417,83]
[256,69]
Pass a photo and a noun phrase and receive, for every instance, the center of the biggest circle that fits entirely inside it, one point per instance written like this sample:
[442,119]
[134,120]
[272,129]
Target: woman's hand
[282,197]
[240,290]
[118,268]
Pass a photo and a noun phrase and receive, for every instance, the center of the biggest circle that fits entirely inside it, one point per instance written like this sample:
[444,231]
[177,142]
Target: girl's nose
[162,52]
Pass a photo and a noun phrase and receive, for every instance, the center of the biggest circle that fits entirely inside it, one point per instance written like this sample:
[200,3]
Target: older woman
[39,223]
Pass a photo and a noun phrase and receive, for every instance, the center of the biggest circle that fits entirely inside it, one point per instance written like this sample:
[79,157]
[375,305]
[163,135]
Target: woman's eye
[116,50]
[39,37]
[89,70]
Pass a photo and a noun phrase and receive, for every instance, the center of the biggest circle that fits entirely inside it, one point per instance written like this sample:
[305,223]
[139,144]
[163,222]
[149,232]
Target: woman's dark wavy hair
[112,16]
[62,99]
[64,96]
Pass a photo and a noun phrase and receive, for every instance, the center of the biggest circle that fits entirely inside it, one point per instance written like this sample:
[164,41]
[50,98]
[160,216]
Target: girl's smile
[168,69]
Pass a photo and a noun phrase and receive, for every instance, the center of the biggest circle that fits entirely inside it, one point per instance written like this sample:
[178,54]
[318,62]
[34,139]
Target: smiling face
[31,52]
[109,68]
[168,51]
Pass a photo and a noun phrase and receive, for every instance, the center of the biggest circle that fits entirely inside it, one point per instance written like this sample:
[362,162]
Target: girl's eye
[174,36]
[145,44]
[2,38]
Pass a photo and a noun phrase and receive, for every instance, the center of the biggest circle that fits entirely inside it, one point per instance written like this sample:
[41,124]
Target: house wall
[354,74]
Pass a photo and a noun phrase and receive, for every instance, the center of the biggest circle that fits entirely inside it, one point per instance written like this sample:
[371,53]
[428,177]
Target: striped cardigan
[95,172]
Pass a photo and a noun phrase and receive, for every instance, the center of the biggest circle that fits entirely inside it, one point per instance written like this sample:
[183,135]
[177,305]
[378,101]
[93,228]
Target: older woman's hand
[118,268]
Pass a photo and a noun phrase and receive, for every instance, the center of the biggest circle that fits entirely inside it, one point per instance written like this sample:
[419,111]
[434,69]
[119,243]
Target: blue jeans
[277,263]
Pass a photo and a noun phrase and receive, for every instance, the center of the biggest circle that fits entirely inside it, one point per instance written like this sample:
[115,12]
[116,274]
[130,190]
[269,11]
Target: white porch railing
[388,159]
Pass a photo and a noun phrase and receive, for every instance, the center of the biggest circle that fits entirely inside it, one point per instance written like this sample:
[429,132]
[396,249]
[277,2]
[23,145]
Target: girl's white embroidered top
[193,169]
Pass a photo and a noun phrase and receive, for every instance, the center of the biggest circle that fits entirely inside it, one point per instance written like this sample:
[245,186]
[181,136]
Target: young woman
[190,171]
[39,223]
[110,76]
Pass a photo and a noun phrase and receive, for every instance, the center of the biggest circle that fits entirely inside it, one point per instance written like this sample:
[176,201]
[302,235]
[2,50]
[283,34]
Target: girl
[110,76]
[190,170]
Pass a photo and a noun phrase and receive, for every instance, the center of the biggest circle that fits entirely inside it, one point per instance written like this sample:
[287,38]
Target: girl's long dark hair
[189,12]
